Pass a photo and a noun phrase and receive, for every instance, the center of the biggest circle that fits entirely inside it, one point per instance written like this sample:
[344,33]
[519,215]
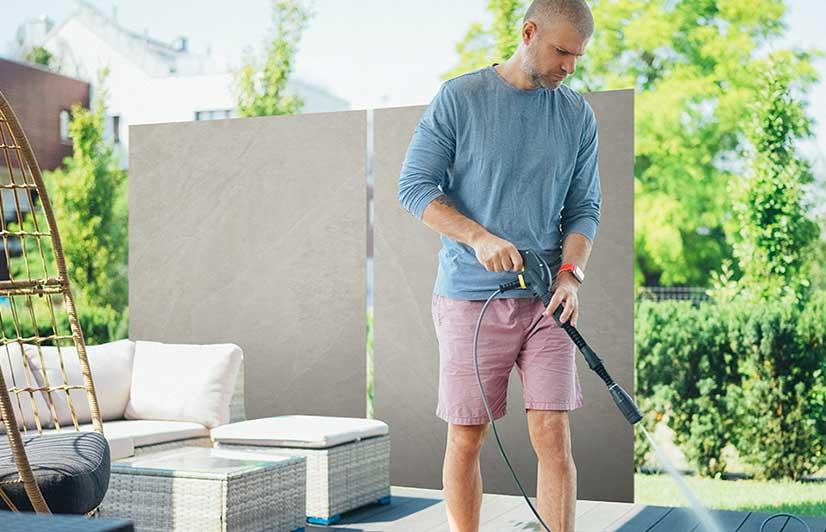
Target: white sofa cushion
[147,432]
[183,382]
[120,446]
[20,376]
[111,366]
[298,431]
[124,436]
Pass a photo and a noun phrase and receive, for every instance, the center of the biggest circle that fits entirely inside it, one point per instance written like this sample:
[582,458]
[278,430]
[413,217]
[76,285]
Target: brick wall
[37,97]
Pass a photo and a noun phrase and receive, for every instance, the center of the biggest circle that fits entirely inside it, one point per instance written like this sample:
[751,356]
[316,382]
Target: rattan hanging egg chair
[49,463]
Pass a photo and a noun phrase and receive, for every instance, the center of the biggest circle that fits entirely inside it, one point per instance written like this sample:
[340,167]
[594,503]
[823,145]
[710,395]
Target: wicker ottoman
[348,459]
[198,489]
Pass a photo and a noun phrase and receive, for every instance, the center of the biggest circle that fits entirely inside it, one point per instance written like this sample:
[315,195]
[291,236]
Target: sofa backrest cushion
[20,375]
[183,382]
[111,367]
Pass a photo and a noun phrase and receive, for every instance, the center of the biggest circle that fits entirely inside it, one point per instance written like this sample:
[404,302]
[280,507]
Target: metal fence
[695,294]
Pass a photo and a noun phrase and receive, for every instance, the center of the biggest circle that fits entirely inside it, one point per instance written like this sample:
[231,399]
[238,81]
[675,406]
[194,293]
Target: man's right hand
[497,254]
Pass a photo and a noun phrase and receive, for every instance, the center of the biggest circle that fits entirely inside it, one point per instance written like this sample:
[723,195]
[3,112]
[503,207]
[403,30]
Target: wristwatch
[575,270]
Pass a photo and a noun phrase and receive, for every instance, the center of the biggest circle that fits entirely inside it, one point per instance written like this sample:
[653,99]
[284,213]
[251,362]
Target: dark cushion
[72,469]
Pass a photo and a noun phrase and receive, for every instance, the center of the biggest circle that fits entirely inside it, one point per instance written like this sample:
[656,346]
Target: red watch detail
[575,270]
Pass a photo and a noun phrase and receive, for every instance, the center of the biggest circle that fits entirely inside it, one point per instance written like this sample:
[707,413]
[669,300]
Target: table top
[202,462]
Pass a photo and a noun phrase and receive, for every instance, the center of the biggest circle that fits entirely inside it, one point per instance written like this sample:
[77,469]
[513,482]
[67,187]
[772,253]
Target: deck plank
[784,524]
[728,520]
[677,520]
[639,519]
[755,519]
[522,518]
[493,507]
[423,510]
[602,516]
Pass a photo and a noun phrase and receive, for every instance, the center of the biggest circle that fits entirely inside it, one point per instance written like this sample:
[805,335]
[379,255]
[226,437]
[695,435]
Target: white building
[149,81]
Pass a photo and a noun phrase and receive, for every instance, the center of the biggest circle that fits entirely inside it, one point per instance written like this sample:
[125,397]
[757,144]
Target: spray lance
[536,277]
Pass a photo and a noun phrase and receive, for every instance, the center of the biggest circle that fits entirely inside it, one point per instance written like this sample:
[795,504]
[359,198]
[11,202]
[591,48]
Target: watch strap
[574,269]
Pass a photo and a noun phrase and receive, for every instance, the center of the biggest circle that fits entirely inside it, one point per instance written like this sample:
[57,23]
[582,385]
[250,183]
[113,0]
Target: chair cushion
[183,382]
[22,376]
[299,431]
[111,366]
[71,468]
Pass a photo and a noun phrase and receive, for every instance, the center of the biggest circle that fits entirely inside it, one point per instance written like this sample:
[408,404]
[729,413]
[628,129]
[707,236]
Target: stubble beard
[536,79]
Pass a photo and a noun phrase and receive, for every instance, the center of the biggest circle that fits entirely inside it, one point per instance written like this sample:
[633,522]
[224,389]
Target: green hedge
[746,375]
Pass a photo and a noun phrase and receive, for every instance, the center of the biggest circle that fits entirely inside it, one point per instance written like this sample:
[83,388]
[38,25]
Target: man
[505,158]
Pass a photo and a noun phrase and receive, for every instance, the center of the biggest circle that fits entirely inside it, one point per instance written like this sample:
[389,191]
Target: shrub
[685,366]
[780,429]
[741,373]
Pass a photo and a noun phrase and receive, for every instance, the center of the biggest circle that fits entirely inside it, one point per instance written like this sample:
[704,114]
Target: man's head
[554,34]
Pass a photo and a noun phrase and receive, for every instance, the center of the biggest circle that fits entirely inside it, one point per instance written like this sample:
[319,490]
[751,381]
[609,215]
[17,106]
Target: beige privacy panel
[406,351]
[252,231]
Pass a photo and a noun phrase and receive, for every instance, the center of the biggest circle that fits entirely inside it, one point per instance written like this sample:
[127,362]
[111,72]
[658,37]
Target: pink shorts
[513,331]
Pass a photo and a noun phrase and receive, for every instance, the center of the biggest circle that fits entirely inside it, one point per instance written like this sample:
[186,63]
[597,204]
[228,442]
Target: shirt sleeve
[429,155]
[581,209]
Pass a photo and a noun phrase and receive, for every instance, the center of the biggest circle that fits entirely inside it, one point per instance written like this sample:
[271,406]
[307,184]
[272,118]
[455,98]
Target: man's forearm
[576,249]
[442,216]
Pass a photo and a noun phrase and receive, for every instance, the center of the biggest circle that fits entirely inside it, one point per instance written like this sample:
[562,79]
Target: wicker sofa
[150,397]
[156,397]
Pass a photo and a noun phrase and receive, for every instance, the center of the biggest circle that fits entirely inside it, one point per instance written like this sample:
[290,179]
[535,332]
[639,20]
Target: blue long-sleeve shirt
[521,163]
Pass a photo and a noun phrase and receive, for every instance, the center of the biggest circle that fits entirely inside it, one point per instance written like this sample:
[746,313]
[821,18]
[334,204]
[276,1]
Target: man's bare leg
[556,472]
[462,477]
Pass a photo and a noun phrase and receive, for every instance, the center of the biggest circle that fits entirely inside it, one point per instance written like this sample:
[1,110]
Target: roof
[154,56]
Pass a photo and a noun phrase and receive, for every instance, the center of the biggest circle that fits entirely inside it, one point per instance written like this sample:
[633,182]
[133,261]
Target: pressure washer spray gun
[536,277]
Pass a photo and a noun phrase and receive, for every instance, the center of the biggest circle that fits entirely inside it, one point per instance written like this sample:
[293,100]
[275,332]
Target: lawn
[801,498]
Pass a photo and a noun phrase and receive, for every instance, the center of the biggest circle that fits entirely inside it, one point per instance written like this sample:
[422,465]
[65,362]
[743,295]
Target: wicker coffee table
[205,490]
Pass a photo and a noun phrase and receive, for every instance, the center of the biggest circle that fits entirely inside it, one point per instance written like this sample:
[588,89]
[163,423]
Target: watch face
[578,273]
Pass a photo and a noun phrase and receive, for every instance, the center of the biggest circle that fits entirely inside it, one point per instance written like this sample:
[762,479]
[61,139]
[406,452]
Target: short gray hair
[576,12]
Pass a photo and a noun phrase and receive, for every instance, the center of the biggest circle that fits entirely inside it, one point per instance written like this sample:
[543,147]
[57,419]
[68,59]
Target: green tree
[40,56]
[88,197]
[483,46]
[694,65]
[775,234]
[261,84]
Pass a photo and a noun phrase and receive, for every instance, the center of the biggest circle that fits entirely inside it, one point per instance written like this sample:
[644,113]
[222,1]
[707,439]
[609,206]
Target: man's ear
[529,31]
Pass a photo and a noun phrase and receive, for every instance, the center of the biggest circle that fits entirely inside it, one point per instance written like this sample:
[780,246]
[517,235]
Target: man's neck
[511,71]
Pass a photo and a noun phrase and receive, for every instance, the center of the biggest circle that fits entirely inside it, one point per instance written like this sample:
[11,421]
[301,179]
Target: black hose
[490,414]
[790,516]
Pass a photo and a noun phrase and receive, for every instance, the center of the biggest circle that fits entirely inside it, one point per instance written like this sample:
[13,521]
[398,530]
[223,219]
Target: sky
[373,53]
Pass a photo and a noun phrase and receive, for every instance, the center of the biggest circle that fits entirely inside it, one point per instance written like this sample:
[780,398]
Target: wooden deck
[423,510]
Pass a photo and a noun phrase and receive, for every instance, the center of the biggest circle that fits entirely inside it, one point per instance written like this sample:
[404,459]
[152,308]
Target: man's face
[551,53]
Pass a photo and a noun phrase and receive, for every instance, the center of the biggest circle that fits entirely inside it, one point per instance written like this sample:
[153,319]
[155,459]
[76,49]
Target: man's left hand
[565,293]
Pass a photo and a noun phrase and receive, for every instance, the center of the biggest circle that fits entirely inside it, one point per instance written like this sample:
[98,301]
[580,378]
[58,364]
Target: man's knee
[550,434]
[466,439]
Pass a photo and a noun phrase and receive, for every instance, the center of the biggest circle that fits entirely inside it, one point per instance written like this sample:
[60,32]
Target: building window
[215,114]
[111,128]
[116,129]
[65,119]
